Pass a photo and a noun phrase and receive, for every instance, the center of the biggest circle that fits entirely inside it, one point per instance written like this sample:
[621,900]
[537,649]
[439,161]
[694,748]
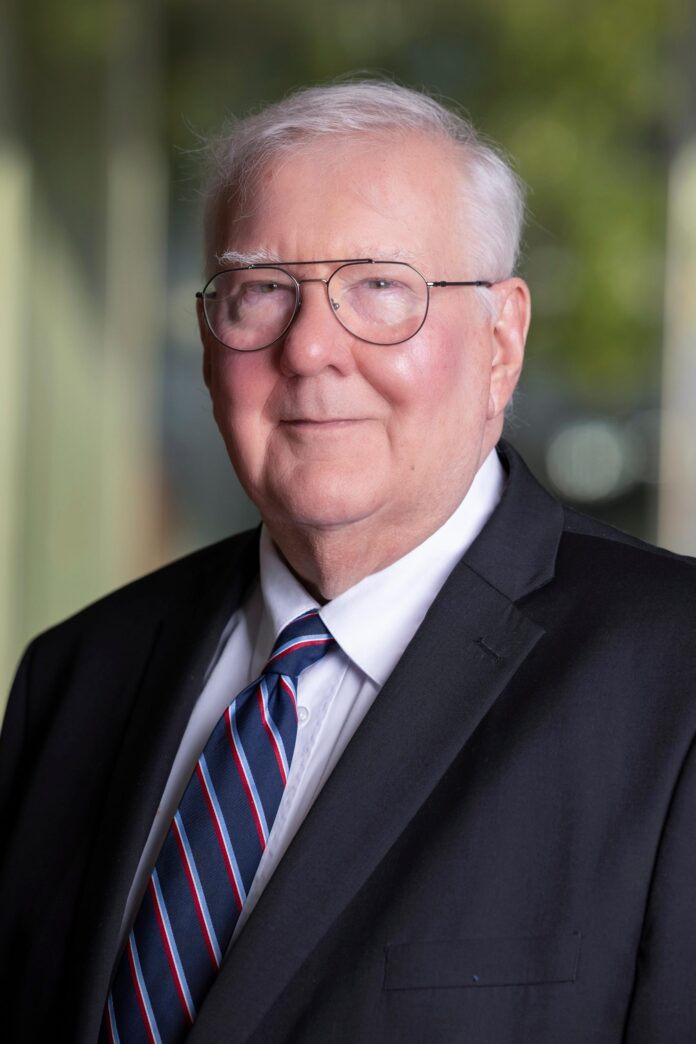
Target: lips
[319,420]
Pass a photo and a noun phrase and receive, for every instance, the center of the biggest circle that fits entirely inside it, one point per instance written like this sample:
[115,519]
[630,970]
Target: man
[477,822]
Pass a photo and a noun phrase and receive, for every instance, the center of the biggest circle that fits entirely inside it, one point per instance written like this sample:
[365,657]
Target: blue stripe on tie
[199,888]
[111,1015]
[124,996]
[307,639]
[145,996]
[229,850]
[174,949]
[257,741]
[195,949]
[158,971]
[284,710]
[287,680]
[247,772]
[280,746]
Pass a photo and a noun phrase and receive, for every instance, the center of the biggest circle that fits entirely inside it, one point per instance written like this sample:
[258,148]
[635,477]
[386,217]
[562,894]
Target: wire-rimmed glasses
[250,307]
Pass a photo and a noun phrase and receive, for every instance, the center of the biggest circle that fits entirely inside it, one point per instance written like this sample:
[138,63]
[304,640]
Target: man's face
[325,431]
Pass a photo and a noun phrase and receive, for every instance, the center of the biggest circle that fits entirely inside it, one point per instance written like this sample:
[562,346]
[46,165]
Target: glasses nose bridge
[312,279]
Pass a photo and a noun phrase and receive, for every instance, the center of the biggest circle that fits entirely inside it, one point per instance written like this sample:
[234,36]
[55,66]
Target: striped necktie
[212,850]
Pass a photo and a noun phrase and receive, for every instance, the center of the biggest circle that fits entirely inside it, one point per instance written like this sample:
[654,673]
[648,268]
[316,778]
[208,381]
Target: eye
[388,290]
[264,293]
[261,288]
[380,284]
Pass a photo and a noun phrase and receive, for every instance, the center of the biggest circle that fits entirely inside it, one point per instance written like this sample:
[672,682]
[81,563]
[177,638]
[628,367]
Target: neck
[329,560]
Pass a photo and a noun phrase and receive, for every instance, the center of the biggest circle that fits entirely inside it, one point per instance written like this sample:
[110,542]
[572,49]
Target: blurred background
[109,461]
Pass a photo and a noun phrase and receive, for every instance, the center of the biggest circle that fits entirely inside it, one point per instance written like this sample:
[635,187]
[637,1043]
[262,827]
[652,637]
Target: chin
[321,508]
[328,516]
[325,494]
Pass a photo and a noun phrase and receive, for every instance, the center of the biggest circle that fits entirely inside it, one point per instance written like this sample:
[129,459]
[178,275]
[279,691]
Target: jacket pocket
[482,962]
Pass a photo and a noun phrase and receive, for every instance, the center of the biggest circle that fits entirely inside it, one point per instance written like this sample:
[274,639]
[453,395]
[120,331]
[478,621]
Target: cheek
[240,386]
[435,381]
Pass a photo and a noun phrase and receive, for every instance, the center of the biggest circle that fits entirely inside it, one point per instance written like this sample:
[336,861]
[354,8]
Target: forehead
[390,196]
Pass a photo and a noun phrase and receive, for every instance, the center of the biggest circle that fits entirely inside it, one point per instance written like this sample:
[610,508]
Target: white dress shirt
[372,622]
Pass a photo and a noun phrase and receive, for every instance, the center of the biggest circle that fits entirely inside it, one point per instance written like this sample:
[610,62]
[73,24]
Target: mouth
[319,423]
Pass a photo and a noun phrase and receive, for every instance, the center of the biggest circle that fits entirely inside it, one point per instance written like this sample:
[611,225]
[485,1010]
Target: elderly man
[413,762]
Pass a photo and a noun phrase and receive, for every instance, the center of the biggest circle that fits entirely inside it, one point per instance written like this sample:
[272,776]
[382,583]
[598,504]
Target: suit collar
[516,551]
[471,643]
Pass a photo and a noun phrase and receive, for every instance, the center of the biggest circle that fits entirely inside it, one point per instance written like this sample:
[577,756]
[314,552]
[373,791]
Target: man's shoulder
[619,579]
[533,543]
[530,510]
[183,581]
[589,538]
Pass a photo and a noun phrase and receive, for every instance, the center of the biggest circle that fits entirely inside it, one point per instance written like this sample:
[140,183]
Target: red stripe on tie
[245,781]
[139,996]
[271,737]
[168,951]
[194,894]
[301,643]
[109,1027]
[290,692]
[218,834]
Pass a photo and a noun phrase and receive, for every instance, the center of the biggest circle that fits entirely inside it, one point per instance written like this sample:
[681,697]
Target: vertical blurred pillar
[15,180]
[677,494]
[131,513]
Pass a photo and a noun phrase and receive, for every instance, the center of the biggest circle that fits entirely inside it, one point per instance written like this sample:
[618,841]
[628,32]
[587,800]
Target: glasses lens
[383,303]
[248,309]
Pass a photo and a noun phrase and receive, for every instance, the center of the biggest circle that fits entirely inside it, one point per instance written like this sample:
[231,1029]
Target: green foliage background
[578,94]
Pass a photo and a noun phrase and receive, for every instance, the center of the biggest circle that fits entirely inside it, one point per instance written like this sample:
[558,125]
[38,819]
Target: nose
[315,340]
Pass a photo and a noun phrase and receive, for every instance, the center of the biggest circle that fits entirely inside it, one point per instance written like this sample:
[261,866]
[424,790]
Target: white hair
[493,193]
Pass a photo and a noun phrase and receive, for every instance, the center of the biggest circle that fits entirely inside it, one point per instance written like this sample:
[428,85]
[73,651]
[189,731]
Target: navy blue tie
[211,853]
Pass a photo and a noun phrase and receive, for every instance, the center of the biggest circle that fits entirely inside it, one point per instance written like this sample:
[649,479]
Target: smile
[319,425]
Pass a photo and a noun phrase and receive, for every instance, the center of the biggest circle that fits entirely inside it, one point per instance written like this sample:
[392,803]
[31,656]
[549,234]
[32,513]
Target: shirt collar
[375,620]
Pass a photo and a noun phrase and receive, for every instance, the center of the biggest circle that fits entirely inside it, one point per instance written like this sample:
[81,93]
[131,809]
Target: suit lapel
[471,643]
[180,650]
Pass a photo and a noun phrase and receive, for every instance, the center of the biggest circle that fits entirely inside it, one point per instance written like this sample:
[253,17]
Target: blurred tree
[576,93]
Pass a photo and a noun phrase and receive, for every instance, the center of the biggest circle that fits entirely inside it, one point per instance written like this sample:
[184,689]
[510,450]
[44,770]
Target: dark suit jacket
[506,851]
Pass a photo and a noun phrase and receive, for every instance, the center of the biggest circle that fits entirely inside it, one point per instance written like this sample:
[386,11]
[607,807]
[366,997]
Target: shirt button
[302,715]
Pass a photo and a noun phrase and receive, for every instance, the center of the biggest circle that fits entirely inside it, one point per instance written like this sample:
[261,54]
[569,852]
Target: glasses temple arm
[466,282]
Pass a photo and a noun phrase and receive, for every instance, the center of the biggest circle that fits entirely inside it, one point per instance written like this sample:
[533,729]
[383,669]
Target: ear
[509,327]
[205,336]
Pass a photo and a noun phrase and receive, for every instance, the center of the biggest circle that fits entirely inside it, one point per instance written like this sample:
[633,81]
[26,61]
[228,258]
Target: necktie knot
[304,641]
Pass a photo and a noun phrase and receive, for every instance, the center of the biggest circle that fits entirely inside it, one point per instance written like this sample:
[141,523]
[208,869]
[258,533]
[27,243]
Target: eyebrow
[262,256]
[250,257]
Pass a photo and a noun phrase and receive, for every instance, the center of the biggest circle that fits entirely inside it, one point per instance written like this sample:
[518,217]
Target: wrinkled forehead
[379,195]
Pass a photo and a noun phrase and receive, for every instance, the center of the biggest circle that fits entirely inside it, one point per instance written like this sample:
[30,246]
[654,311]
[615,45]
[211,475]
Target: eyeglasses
[250,307]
